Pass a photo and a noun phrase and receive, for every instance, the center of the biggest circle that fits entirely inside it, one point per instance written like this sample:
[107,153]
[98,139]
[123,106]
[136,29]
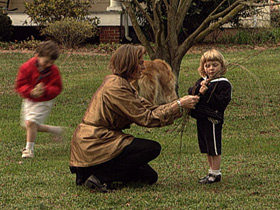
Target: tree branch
[183,7]
[226,11]
[210,18]
[214,11]
[166,4]
[158,24]
[127,4]
[204,29]
[172,36]
[137,29]
[220,22]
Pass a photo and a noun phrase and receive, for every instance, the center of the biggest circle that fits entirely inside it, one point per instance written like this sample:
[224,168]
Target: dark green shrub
[252,36]
[6,29]
[70,32]
[29,44]
[43,12]
[66,21]
[4,45]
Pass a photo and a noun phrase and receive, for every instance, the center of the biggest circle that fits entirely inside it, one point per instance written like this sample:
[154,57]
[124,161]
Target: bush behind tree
[260,36]
[69,32]
[65,21]
[43,12]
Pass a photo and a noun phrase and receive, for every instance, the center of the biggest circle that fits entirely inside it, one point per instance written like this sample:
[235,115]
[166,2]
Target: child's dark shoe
[203,180]
[211,178]
[214,178]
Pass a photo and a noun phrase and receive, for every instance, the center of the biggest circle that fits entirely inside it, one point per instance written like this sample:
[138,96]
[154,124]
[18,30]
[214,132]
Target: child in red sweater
[38,82]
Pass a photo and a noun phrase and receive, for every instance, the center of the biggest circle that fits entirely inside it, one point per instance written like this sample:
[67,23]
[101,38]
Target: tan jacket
[113,108]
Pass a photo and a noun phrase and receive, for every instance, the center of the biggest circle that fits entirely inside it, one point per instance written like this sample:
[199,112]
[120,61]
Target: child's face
[44,62]
[212,68]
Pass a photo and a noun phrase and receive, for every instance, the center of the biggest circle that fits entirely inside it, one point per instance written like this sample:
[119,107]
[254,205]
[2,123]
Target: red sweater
[28,76]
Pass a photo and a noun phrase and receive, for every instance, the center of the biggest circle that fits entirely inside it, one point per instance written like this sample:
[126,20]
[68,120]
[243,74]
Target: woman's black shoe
[93,183]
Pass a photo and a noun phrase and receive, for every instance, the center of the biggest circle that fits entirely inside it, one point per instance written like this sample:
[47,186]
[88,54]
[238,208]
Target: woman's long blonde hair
[212,55]
[125,60]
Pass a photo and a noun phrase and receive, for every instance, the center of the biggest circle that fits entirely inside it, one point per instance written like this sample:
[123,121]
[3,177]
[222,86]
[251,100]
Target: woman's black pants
[131,165]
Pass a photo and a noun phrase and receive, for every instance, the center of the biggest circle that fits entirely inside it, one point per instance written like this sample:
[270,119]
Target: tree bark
[166,46]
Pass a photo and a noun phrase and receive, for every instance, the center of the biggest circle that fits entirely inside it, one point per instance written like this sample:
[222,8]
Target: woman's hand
[189,102]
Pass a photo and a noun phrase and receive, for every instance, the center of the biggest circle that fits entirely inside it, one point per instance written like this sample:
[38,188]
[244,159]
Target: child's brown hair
[212,55]
[48,49]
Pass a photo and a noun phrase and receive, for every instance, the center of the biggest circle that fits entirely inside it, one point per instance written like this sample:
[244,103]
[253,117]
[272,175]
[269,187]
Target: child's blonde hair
[212,55]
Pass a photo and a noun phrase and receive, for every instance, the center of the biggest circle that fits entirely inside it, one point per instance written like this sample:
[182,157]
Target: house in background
[115,25]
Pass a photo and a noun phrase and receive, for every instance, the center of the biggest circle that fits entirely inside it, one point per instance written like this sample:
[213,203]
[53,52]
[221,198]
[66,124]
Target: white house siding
[100,8]
[262,20]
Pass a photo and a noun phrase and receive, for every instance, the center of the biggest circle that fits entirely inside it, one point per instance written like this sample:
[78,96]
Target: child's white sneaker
[58,133]
[27,153]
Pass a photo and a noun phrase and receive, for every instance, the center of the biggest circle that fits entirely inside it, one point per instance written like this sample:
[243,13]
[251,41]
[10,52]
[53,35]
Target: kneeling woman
[101,153]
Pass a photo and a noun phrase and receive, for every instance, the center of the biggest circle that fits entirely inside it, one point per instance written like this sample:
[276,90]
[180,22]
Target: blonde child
[215,94]
[38,82]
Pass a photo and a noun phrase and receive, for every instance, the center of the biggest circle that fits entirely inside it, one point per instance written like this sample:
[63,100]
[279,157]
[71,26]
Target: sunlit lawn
[251,136]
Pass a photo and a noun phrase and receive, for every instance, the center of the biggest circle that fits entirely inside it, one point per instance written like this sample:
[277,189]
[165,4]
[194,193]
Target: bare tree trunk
[166,25]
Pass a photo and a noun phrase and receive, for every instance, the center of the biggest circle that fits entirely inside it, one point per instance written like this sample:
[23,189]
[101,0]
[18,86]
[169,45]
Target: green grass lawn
[251,135]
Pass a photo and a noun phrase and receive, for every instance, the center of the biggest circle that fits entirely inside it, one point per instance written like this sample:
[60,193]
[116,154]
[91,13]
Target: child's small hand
[203,89]
[204,82]
[38,90]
